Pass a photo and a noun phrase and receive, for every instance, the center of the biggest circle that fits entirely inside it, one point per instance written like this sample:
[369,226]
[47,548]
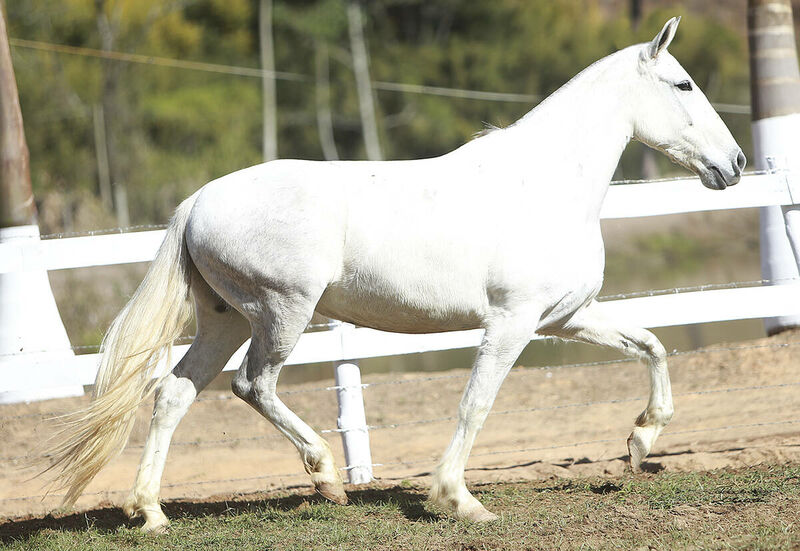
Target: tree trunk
[774,73]
[270,128]
[111,72]
[649,167]
[636,13]
[101,153]
[323,102]
[16,195]
[358,50]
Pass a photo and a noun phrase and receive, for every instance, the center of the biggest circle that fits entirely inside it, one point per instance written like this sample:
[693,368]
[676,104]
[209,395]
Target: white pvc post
[30,324]
[775,101]
[352,423]
[772,139]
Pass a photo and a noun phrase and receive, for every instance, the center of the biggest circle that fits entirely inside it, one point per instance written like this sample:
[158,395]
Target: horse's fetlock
[318,459]
[655,416]
[311,463]
[663,415]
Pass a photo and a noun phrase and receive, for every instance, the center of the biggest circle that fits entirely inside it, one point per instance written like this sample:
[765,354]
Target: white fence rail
[347,343]
[20,371]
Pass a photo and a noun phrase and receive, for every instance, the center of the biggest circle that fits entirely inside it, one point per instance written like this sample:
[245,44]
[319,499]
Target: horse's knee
[646,345]
[653,348]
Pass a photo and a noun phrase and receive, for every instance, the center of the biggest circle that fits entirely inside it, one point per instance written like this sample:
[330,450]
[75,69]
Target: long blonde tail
[139,337]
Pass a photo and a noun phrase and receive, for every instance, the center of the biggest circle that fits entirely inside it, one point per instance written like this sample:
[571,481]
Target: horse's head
[672,115]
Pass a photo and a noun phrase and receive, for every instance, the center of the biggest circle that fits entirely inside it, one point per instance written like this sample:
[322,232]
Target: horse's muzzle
[714,177]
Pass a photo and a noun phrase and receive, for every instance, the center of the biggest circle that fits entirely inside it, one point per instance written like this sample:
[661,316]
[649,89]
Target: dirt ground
[541,427]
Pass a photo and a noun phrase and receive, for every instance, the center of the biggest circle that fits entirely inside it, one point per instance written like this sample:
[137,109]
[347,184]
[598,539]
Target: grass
[729,509]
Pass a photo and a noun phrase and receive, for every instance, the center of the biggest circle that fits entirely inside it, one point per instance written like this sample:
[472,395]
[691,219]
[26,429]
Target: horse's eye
[686,86]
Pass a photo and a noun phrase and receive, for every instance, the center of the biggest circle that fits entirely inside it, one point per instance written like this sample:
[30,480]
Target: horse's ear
[663,39]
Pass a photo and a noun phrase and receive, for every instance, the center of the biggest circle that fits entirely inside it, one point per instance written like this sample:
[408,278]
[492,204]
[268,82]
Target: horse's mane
[487,129]
[564,87]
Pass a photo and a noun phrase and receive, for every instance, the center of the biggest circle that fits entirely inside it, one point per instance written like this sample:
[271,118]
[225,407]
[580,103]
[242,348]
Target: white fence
[28,369]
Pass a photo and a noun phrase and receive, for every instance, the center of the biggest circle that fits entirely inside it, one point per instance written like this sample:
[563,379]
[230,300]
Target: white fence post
[791,213]
[352,423]
[775,100]
[30,326]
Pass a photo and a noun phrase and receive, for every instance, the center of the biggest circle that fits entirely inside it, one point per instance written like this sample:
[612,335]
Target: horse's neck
[574,139]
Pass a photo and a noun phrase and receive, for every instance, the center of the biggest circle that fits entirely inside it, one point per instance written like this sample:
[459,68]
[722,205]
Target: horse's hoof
[639,444]
[156,527]
[332,492]
[479,514]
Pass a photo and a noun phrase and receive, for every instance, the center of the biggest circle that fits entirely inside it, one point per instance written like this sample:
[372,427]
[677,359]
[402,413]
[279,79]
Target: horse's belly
[402,307]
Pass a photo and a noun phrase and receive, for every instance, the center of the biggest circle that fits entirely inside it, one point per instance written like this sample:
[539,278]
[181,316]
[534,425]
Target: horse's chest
[574,280]
[558,275]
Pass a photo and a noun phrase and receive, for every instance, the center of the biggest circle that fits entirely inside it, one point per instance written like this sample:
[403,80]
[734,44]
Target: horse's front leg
[591,327]
[502,344]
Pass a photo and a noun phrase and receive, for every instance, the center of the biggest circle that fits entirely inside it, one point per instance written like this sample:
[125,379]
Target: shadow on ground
[411,501]
[107,518]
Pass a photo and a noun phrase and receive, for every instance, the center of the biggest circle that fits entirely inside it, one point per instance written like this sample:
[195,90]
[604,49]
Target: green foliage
[173,129]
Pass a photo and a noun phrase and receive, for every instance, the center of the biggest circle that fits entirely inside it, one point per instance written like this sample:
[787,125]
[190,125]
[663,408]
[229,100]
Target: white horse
[501,234]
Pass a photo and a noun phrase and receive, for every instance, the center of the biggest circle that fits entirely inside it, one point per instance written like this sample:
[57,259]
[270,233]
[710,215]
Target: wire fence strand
[519,371]
[592,442]
[678,178]
[575,405]
[418,422]
[104,231]
[255,72]
[427,460]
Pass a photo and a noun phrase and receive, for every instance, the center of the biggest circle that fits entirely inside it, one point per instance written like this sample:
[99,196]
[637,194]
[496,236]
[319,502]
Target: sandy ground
[540,427]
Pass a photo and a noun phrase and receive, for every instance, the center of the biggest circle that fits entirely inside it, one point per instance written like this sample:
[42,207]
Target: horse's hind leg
[274,333]
[221,330]
[590,327]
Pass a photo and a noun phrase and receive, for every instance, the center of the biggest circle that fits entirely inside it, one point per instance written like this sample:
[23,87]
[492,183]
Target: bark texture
[774,73]
[16,195]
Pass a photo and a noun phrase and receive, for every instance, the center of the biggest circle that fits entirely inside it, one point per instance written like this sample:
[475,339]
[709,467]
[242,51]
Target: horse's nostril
[741,160]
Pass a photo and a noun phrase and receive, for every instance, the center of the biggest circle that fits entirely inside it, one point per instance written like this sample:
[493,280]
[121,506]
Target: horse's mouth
[719,177]
[712,178]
